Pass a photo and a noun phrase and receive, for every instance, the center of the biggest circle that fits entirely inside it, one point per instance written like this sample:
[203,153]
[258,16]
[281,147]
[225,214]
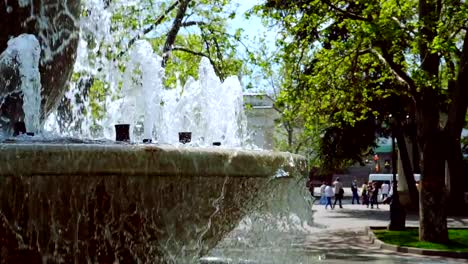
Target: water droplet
[280,173]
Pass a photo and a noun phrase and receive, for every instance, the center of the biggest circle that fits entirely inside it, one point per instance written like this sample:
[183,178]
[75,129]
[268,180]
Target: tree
[420,45]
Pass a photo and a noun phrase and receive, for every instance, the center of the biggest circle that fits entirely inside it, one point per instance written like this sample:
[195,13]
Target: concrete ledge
[37,159]
[426,252]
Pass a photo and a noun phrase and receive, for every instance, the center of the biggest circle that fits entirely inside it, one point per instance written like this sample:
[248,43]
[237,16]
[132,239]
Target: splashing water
[212,110]
[142,88]
[25,51]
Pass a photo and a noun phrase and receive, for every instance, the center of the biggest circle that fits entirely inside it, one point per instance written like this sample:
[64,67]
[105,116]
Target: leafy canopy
[348,64]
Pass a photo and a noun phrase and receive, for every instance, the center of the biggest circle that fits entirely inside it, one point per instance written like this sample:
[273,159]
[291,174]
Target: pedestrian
[338,192]
[354,190]
[375,195]
[328,195]
[385,190]
[370,192]
[364,194]
[323,198]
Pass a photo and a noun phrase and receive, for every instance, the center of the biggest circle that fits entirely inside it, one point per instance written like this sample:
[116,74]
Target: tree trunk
[432,213]
[455,121]
[290,131]
[432,195]
[407,168]
[411,131]
[456,173]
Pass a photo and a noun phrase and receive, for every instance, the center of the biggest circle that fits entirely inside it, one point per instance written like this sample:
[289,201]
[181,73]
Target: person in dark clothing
[338,192]
[365,194]
[354,190]
[375,194]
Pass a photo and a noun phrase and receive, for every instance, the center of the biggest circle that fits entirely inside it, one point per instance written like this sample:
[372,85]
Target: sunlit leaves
[335,75]
[97,95]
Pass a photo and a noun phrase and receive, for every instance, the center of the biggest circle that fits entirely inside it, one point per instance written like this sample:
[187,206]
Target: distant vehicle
[381,177]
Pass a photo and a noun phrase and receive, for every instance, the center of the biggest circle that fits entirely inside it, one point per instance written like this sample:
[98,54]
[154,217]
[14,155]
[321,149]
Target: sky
[252,26]
[253,29]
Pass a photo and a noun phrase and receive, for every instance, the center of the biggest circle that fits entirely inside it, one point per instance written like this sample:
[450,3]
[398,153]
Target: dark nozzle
[122,132]
[30,134]
[19,128]
[216,143]
[147,140]
[185,137]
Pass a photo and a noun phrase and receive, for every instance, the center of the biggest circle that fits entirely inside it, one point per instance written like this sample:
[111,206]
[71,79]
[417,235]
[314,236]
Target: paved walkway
[334,236]
[339,235]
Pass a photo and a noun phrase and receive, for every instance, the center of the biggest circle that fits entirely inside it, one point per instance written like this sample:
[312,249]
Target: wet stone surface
[76,203]
[126,219]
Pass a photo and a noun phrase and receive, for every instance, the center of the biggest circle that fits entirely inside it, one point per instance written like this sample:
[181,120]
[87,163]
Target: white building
[261,117]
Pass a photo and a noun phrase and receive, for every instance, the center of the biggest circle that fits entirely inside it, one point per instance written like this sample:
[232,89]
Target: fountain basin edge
[120,159]
[131,203]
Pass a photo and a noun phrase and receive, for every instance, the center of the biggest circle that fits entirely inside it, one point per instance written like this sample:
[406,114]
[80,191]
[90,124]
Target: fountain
[78,200]
[90,202]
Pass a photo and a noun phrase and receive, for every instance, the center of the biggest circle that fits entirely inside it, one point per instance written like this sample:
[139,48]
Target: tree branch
[201,54]
[192,23]
[231,36]
[206,39]
[396,69]
[156,23]
[301,143]
[348,14]
[172,34]
[403,27]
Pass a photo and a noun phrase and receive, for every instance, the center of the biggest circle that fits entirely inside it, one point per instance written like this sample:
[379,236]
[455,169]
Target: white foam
[25,50]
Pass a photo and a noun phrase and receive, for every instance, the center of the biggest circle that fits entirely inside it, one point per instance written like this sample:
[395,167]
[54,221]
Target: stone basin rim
[35,159]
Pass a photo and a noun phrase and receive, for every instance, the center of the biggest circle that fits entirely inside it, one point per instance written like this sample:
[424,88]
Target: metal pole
[397,213]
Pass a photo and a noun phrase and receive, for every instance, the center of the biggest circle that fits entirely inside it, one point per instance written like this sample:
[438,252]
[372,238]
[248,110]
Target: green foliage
[184,64]
[206,34]
[97,96]
[348,64]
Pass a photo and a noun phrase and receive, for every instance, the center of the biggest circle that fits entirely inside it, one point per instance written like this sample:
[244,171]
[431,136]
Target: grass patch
[410,238]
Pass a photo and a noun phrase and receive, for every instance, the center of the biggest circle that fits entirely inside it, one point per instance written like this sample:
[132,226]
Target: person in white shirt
[329,193]
[338,192]
[385,188]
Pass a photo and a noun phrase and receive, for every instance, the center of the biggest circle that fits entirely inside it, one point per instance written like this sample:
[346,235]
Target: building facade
[261,116]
